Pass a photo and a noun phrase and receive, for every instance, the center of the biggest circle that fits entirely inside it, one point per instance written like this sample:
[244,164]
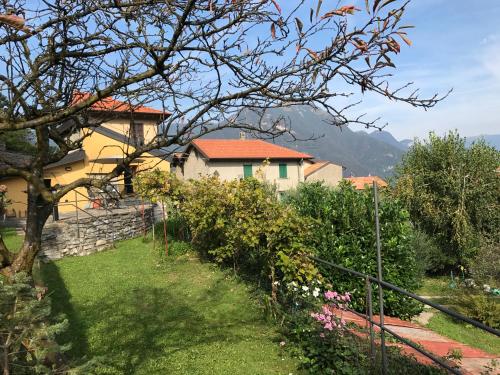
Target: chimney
[242,135]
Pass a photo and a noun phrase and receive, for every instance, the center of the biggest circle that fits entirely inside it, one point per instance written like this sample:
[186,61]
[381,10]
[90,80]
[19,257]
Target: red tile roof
[244,149]
[314,167]
[361,182]
[112,105]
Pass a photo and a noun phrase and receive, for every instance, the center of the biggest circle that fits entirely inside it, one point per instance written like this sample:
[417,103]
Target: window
[247,170]
[138,133]
[283,171]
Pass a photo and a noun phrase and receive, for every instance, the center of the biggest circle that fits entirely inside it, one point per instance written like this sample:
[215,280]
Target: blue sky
[456,44]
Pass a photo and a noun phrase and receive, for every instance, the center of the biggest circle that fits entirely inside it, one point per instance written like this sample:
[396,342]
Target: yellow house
[122,127]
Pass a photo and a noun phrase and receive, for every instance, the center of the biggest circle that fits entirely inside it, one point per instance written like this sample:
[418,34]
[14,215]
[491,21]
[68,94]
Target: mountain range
[360,152]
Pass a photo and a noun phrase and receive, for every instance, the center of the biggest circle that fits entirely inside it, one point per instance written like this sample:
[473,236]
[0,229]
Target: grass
[183,317]
[449,327]
[435,286]
[464,333]
[11,239]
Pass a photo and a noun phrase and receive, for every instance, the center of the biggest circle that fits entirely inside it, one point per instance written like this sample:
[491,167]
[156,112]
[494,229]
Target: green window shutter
[247,170]
[283,171]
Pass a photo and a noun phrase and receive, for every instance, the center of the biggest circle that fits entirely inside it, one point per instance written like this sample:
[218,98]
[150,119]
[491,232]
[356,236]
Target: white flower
[316,292]
[276,283]
[305,288]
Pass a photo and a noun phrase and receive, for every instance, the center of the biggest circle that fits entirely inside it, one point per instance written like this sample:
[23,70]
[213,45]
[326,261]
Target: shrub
[478,307]
[430,258]
[345,235]
[485,268]
[237,223]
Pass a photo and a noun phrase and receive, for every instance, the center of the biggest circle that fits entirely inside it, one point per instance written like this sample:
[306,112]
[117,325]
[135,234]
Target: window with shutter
[247,170]
[138,134]
[283,171]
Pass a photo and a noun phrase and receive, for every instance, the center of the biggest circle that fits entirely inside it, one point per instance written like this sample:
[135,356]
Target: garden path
[473,361]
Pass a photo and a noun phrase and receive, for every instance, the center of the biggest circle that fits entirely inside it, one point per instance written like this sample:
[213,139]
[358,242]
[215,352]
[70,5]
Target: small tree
[452,193]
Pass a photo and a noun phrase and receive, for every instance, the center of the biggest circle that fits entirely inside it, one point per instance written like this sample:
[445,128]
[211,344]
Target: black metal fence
[369,280]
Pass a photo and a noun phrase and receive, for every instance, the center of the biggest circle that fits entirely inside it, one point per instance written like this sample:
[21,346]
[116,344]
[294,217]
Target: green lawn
[464,333]
[435,286]
[449,327]
[184,317]
[11,239]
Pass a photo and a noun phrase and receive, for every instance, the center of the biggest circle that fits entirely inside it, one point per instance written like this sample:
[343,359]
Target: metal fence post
[369,307]
[379,277]
[77,219]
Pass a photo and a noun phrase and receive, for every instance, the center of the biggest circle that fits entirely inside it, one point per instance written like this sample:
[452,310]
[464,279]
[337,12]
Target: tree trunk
[38,212]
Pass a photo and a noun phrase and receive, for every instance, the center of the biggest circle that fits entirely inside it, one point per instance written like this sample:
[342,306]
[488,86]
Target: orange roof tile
[244,149]
[112,105]
[361,182]
[314,167]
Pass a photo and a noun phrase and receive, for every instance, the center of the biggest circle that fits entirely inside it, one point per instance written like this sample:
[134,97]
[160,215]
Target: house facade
[122,127]
[240,158]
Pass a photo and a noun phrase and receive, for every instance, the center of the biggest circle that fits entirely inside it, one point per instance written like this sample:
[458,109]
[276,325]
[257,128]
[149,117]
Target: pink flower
[329,326]
[329,295]
[321,334]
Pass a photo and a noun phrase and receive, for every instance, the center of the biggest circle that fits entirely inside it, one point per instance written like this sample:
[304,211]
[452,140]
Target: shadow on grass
[61,304]
[144,326]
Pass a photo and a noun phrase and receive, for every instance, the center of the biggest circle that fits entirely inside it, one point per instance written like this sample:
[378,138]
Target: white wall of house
[330,174]
[230,170]
[195,166]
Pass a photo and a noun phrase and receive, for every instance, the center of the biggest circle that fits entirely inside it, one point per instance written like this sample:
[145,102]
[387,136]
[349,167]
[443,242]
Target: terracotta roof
[361,182]
[318,164]
[244,149]
[110,104]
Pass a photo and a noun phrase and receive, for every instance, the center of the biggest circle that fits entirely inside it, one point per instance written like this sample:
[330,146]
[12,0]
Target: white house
[239,158]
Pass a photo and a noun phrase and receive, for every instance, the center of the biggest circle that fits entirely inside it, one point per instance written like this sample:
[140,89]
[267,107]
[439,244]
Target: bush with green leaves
[428,254]
[452,193]
[344,234]
[485,268]
[28,333]
[240,224]
[478,306]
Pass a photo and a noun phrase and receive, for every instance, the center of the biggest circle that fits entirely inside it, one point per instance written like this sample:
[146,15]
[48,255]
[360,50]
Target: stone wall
[93,231]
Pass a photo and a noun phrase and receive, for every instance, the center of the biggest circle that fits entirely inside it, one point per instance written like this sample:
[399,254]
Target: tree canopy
[452,193]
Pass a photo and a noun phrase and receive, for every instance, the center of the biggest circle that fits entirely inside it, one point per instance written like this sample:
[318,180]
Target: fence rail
[384,284]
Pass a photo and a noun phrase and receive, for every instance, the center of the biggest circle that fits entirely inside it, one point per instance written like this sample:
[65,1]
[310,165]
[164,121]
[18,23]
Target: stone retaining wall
[89,234]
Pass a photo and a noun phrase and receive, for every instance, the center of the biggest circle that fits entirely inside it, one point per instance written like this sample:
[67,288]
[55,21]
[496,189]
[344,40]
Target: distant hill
[360,153]
[388,138]
[405,144]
